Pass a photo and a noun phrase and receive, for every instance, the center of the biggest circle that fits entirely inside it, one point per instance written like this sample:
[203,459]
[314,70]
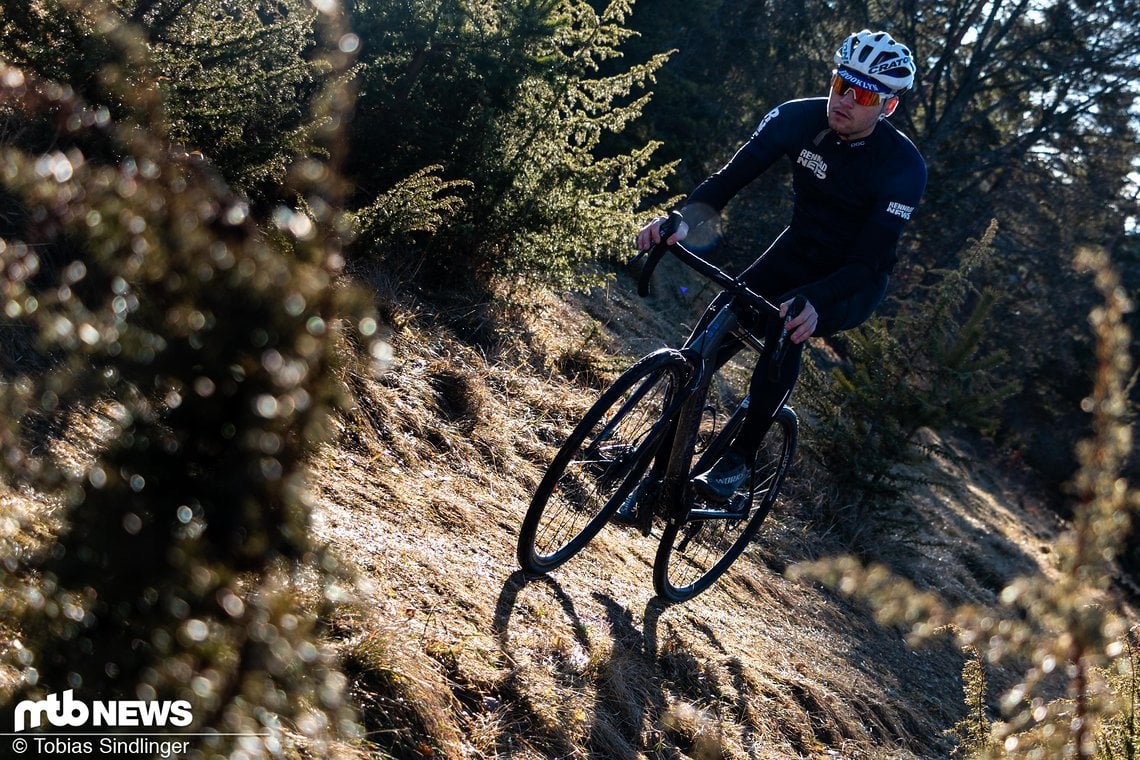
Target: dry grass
[453,654]
[424,495]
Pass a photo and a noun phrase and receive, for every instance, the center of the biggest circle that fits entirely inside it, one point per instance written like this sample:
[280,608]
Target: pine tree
[1065,625]
[926,367]
[239,83]
[552,201]
[508,97]
[236,75]
[1119,737]
[973,734]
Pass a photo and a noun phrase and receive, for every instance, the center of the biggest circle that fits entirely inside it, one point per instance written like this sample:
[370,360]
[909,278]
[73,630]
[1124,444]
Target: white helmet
[876,56]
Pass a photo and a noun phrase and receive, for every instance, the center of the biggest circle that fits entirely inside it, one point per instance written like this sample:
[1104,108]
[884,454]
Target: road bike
[662,422]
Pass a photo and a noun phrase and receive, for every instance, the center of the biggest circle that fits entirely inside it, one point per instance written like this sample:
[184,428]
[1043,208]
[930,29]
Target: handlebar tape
[666,230]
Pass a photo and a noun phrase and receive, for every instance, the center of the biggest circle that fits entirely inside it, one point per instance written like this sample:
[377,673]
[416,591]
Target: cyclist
[856,181]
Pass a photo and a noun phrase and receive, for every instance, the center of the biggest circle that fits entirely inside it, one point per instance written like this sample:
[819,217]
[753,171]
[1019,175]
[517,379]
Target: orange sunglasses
[863,96]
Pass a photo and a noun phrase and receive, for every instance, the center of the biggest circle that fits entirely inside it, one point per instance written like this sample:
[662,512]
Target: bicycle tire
[601,461]
[693,554]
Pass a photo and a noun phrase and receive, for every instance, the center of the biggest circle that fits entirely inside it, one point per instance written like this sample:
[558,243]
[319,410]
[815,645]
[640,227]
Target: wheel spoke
[601,460]
[693,555]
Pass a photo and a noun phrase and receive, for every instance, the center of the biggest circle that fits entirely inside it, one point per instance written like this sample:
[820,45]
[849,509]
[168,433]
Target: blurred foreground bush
[191,349]
[1063,632]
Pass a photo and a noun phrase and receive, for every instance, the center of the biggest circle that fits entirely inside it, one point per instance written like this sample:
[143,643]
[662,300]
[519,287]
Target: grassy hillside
[174,401]
[453,653]
[450,652]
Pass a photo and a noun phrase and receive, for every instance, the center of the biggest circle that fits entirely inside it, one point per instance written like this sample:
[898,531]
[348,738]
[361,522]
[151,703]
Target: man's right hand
[803,325]
[650,234]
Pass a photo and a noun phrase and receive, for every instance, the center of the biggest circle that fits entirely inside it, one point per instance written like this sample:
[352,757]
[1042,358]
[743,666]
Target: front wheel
[694,553]
[602,460]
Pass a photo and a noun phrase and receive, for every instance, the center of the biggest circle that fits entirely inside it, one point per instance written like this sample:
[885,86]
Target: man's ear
[890,106]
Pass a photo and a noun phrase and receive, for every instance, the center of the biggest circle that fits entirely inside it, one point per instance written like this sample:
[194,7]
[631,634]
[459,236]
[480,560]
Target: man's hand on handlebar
[650,234]
[802,326]
[798,327]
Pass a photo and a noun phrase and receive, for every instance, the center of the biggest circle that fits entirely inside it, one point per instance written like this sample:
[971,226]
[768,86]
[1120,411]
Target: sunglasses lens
[863,97]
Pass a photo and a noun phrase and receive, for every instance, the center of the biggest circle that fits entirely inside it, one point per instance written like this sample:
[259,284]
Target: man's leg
[774,273]
[767,396]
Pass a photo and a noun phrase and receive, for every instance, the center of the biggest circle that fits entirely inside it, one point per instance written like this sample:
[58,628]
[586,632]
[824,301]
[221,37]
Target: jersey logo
[813,162]
[899,209]
[771,115]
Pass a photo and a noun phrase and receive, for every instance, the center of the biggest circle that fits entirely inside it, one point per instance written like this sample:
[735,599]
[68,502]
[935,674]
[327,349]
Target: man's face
[850,120]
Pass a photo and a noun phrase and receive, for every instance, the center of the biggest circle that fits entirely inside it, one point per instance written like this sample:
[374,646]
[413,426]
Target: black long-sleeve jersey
[852,199]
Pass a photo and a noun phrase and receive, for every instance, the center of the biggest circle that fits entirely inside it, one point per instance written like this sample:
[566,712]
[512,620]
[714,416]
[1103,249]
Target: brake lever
[666,230]
[775,363]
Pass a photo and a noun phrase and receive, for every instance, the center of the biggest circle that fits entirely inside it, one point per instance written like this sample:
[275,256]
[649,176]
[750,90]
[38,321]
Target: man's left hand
[803,325]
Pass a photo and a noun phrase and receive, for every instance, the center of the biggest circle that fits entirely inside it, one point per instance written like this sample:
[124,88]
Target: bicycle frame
[701,349]
[643,468]
[721,319]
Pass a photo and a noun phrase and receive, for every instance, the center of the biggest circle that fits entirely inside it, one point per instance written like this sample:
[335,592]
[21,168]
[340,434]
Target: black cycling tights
[777,275]
[765,396]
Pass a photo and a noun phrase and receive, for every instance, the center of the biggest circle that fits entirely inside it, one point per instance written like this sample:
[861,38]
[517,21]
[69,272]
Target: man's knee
[851,312]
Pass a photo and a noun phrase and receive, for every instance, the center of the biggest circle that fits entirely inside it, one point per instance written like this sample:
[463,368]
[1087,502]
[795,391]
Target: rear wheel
[602,461]
[693,554]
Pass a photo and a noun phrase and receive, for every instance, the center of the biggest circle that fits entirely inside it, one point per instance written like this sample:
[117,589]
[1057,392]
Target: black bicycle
[662,422]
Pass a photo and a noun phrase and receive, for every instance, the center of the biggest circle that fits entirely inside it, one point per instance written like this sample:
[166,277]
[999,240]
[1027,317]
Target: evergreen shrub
[925,367]
[195,347]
